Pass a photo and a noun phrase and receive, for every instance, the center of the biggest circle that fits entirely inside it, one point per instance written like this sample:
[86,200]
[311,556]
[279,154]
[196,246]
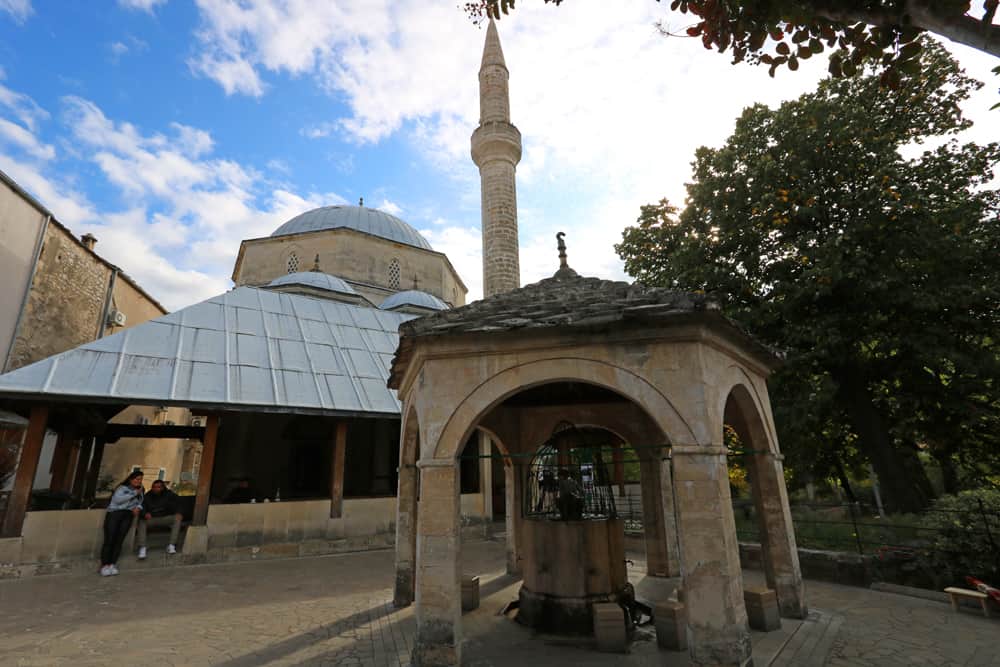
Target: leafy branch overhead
[782,33]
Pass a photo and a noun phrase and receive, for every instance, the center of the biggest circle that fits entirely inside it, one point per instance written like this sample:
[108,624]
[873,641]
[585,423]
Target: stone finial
[316,264]
[564,270]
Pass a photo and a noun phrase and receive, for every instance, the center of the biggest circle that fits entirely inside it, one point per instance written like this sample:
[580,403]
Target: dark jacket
[160,504]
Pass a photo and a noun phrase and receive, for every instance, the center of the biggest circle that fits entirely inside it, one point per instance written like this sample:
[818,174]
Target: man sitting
[159,508]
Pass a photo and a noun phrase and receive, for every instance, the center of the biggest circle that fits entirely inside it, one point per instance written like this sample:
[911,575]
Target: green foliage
[967,540]
[781,33]
[878,274]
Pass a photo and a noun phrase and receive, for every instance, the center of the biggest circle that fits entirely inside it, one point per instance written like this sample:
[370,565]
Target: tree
[854,30]
[877,273]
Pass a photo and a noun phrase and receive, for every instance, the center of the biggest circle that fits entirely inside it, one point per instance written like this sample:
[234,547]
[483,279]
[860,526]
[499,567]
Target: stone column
[486,475]
[513,516]
[710,562]
[439,587]
[658,523]
[406,534]
[777,534]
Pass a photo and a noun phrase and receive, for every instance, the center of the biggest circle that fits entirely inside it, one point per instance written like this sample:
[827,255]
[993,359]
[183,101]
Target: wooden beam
[62,461]
[115,431]
[204,490]
[94,471]
[337,471]
[20,495]
[80,473]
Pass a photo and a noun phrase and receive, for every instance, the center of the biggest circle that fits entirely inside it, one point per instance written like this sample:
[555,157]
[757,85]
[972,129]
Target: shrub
[967,541]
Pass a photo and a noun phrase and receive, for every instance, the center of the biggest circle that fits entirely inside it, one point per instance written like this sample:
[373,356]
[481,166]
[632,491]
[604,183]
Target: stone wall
[837,567]
[66,302]
[20,227]
[501,269]
[361,259]
[70,541]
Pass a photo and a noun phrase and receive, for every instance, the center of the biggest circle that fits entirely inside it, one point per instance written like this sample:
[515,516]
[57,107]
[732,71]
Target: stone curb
[911,591]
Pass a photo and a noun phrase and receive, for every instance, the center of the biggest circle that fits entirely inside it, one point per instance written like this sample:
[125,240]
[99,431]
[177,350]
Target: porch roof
[248,349]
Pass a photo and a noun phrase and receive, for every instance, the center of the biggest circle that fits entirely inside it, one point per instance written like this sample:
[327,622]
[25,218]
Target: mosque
[345,380]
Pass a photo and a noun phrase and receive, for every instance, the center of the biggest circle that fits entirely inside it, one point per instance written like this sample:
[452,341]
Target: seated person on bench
[159,508]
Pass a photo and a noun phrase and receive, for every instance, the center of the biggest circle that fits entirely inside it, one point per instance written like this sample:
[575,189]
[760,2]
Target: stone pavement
[335,610]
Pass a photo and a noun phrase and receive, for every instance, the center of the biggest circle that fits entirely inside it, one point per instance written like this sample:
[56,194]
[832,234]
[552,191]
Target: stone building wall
[20,228]
[66,302]
[361,259]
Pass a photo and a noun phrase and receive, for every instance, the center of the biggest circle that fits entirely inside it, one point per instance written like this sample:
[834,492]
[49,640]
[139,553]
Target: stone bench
[670,620]
[470,593]
[762,609]
[956,595]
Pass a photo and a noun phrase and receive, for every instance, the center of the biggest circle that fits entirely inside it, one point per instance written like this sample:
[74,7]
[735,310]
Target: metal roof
[247,347]
[316,280]
[361,218]
[413,298]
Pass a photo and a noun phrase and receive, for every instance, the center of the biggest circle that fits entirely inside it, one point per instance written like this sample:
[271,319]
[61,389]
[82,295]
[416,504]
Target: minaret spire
[496,150]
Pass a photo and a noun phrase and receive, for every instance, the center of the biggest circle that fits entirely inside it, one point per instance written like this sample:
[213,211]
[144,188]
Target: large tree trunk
[905,486]
[949,472]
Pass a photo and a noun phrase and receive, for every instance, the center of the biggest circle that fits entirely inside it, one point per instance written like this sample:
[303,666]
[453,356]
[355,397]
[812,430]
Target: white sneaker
[112,570]
[105,570]
[171,549]
[142,553]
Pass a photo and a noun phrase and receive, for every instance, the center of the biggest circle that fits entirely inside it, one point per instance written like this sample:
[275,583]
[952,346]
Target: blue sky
[172,129]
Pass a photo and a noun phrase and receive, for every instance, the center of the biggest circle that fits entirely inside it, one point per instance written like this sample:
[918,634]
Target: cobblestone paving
[335,611]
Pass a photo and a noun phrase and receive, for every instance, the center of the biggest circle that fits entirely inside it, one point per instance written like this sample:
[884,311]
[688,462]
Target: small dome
[360,218]
[315,280]
[414,298]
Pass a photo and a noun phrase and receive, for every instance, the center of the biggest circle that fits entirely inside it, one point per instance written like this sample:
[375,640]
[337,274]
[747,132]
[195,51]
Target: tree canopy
[878,273]
[781,33]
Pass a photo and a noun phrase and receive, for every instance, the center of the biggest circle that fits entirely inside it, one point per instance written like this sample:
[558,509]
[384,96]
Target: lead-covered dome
[315,280]
[360,218]
[414,298]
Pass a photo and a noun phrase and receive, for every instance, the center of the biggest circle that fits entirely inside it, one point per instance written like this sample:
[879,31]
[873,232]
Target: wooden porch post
[204,489]
[17,506]
[337,471]
[81,467]
[94,471]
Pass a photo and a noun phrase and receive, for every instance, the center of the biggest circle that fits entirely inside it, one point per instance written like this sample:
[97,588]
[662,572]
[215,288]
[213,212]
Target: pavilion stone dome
[315,280]
[413,298]
[360,218]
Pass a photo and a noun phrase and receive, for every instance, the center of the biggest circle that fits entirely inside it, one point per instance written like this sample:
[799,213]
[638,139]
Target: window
[293,263]
[141,419]
[394,274]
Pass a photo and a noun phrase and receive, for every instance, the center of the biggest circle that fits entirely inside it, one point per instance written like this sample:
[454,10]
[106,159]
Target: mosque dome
[360,218]
[413,298]
[315,280]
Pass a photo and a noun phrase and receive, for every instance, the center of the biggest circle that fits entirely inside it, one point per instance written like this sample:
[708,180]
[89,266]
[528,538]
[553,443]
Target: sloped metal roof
[248,347]
[413,298]
[361,218]
[316,280]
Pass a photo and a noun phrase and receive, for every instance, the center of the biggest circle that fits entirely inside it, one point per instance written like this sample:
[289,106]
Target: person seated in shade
[159,508]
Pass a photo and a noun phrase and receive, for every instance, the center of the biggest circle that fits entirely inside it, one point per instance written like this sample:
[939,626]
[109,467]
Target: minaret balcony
[497,140]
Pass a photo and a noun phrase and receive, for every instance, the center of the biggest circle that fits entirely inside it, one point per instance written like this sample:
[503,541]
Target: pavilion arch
[779,555]
[738,386]
[515,379]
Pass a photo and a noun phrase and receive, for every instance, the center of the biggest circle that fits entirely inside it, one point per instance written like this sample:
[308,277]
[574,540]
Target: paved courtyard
[335,611]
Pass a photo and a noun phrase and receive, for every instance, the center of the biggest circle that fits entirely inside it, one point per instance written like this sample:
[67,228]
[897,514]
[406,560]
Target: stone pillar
[439,588]
[658,523]
[406,534]
[486,475]
[777,534]
[512,506]
[710,560]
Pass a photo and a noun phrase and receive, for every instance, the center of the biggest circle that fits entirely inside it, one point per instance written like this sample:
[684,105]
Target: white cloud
[19,10]
[463,246]
[21,106]
[141,5]
[24,139]
[390,207]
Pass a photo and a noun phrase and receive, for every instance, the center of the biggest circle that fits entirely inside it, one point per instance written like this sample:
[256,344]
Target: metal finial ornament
[361,201]
[562,250]
[316,263]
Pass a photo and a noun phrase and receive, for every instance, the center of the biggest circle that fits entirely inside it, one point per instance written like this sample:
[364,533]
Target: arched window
[394,274]
[293,263]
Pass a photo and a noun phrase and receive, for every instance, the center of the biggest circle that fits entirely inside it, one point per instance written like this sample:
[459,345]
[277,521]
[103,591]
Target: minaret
[496,150]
